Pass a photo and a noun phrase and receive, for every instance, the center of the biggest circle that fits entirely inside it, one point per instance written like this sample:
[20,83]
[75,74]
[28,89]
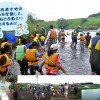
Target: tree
[62,23]
[83,21]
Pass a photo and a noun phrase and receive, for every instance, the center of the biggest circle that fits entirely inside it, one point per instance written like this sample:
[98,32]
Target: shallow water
[75,62]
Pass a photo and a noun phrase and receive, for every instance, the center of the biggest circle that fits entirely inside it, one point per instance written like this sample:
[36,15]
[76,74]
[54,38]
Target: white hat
[54,46]
[98,31]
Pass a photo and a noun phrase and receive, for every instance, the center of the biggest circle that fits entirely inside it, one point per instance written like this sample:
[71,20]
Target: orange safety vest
[8,60]
[4,43]
[62,33]
[31,57]
[53,34]
[52,58]
[82,38]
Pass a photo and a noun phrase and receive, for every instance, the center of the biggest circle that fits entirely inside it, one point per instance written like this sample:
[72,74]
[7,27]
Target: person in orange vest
[52,60]
[32,55]
[52,36]
[5,61]
[62,34]
[82,41]
[5,42]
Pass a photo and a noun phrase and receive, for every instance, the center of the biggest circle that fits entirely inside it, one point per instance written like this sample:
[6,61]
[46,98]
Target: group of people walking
[28,54]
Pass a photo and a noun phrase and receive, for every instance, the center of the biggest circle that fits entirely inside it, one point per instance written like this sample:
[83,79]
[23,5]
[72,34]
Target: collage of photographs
[49,50]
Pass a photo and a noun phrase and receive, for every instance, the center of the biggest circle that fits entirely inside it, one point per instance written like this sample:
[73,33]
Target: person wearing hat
[87,39]
[74,36]
[13,89]
[94,59]
[52,60]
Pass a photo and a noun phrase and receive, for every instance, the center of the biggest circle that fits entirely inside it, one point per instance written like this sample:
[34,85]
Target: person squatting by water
[52,36]
[32,55]
[94,59]
[19,56]
[5,61]
[52,60]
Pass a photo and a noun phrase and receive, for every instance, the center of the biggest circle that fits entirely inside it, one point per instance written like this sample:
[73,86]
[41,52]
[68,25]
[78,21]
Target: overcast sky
[54,9]
[58,79]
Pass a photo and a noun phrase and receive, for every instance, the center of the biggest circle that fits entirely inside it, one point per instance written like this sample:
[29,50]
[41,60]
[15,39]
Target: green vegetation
[88,86]
[23,84]
[92,22]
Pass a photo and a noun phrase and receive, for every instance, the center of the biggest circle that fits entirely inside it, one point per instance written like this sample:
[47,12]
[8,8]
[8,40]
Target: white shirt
[48,36]
[66,89]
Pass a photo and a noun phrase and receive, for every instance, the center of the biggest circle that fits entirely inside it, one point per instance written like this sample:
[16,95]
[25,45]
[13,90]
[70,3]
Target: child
[19,54]
[52,60]
[62,34]
[82,39]
[42,39]
[5,61]
[32,55]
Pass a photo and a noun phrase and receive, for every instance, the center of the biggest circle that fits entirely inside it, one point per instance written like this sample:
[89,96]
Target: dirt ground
[26,95]
[70,97]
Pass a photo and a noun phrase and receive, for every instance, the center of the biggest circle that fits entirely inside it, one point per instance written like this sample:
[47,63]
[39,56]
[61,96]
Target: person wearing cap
[52,36]
[74,36]
[52,60]
[94,59]
[13,89]
[87,39]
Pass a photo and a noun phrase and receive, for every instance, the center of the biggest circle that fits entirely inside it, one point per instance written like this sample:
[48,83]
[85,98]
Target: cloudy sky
[58,79]
[54,9]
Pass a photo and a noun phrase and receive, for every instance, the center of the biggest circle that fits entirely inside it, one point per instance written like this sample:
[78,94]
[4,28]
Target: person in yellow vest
[74,36]
[74,39]
[62,35]
[32,56]
[94,59]
[82,40]
[35,39]
[52,60]
[36,34]
[52,36]
[5,61]
[42,39]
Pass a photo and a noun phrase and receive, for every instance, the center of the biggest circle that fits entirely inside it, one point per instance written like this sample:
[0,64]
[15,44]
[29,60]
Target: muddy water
[75,62]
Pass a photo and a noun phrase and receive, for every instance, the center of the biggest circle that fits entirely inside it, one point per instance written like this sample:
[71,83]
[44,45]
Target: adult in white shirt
[66,91]
[52,36]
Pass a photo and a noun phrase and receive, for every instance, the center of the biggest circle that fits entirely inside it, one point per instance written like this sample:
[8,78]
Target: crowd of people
[40,92]
[27,54]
